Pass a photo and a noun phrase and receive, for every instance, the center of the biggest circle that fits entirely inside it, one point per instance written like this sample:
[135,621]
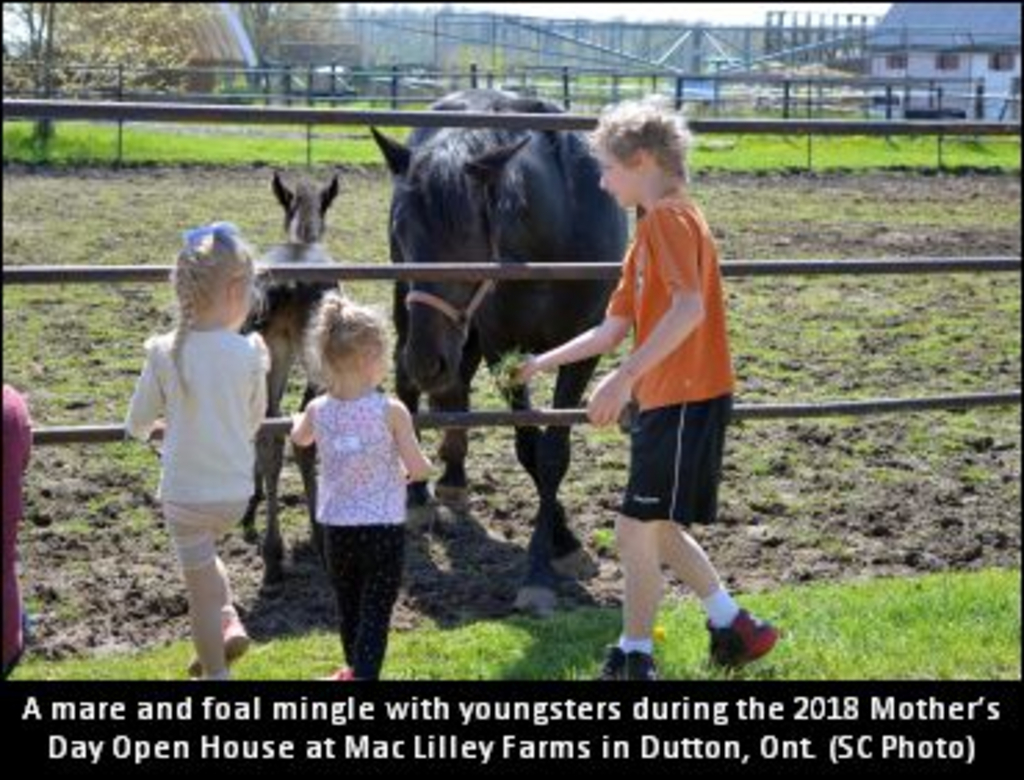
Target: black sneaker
[640,666]
[614,664]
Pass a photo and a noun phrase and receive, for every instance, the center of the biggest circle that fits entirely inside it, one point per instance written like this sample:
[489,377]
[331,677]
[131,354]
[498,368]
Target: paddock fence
[549,271]
[121,112]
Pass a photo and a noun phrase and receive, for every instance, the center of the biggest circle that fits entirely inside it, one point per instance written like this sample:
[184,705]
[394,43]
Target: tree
[32,36]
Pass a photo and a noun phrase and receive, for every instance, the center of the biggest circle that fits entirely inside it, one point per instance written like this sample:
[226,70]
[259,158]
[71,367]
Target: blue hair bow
[195,237]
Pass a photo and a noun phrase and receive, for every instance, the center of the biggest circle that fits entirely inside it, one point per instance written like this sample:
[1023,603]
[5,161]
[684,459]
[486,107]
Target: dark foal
[489,195]
[282,319]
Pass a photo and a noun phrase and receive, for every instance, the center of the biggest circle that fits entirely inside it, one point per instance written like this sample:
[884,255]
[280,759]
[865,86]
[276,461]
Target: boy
[680,372]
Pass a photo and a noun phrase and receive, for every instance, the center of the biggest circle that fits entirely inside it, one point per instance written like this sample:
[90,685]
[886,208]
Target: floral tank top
[361,477]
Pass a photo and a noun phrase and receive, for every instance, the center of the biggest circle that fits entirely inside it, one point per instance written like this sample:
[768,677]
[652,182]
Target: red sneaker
[746,640]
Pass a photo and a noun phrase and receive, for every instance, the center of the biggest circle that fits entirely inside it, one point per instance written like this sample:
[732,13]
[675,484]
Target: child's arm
[596,341]
[302,426]
[148,400]
[676,324]
[258,394]
[416,463]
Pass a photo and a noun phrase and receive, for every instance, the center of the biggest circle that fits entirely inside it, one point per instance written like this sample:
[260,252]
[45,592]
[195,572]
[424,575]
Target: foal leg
[270,455]
[305,457]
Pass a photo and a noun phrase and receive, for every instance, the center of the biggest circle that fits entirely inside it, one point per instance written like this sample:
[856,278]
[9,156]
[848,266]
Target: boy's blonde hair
[213,256]
[343,331]
[650,125]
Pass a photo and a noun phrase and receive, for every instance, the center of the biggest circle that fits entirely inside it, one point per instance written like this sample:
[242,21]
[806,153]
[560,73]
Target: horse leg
[249,518]
[451,487]
[270,456]
[305,457]
[552,463]
[417,495]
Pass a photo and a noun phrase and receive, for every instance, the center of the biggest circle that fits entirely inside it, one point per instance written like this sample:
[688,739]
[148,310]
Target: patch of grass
[603,540]
[287,145]
[948,626]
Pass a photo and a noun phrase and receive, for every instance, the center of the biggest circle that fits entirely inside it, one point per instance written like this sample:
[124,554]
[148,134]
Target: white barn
[969,51]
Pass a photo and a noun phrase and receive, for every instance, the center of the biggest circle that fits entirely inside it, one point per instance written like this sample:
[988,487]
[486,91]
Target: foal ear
[395,154]
[488,167]
[328,194]
[281,192]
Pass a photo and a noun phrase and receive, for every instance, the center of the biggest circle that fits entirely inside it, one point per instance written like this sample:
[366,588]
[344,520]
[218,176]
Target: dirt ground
[116,588]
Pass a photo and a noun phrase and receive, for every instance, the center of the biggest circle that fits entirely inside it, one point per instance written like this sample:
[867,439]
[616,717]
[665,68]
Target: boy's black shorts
[676,462]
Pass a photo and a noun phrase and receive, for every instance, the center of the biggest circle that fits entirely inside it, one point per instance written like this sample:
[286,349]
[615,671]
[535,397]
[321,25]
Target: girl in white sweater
[208,384]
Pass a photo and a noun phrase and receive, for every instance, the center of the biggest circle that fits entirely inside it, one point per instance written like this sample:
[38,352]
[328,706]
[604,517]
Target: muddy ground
[803,500]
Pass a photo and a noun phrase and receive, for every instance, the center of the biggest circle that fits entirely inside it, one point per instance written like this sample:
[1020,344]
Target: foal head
[304,208]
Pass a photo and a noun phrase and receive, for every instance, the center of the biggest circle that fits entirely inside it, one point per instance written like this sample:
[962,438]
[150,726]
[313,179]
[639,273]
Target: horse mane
[438,167]
[438,172]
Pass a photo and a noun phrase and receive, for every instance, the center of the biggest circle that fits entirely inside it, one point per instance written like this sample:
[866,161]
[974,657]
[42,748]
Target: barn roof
[962,26]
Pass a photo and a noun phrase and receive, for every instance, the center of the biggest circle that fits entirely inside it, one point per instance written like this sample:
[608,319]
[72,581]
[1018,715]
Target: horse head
[305,208]
[451,189]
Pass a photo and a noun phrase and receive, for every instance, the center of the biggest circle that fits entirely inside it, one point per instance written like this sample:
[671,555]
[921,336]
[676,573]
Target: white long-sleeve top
[209,442]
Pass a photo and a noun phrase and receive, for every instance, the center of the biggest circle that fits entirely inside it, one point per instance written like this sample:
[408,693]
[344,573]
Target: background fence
[702,95]
[69,110]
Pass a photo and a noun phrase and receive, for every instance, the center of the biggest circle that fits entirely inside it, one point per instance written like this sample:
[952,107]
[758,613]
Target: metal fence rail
[94,434]
[436,272]
[233,114]
[548,271]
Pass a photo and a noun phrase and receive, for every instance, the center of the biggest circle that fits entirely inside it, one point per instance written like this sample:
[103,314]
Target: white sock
[636,645]
[224,674]
[721,609]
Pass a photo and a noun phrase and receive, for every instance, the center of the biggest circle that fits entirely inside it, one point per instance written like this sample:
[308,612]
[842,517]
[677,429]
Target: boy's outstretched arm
[596,341]
[613,392]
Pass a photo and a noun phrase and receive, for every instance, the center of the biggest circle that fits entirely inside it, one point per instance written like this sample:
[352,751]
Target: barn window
[1001,60]
[947,61]
[896,62]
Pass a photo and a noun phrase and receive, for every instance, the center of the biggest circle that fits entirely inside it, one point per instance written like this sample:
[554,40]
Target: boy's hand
[611,395]
[527,369]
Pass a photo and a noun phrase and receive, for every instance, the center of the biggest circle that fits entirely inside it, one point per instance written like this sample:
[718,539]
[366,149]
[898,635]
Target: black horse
[491,195]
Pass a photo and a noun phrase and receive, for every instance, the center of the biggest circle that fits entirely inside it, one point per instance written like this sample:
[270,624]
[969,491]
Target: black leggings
[364,564]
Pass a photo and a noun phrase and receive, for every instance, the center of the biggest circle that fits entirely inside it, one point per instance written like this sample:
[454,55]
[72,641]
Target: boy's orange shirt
[674,250]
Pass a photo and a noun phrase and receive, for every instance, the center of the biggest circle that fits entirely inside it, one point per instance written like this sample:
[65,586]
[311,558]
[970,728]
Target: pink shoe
[236,644]
[343,674]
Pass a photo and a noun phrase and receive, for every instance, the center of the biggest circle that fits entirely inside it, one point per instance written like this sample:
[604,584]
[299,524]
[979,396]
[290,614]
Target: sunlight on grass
[944,626]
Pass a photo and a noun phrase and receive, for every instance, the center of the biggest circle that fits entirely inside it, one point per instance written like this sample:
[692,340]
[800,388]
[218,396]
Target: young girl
[368,451]
[681,374]
[209,383]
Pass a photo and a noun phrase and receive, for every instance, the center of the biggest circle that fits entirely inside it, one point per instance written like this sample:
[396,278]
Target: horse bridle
[461,318]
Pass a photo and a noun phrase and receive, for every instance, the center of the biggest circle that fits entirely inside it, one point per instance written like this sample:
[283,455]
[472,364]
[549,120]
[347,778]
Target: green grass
[76,143]
[192,144]
[948,626]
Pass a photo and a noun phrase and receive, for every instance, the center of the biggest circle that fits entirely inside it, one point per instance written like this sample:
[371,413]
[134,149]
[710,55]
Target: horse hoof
[576,565]
[455,498]
[536,600]
[273,576]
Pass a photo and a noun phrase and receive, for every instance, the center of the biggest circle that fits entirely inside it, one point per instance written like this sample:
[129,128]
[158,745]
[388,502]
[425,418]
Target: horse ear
[281,192]
[395,154]
[487,168]
[328,194]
